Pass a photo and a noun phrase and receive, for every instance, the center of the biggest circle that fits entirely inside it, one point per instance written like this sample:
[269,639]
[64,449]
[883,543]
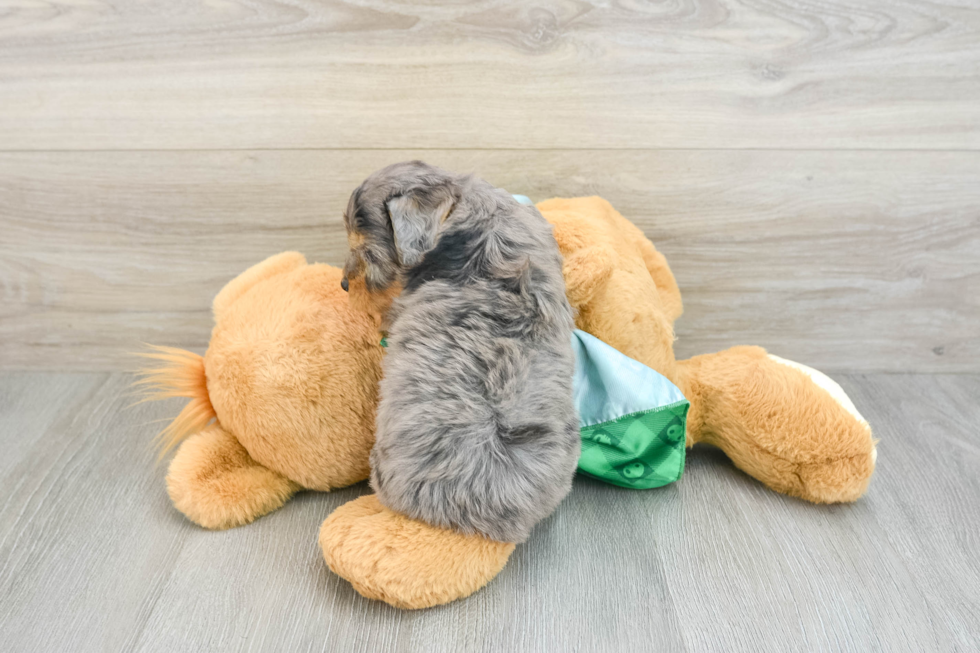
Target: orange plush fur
[405,562]
[291,376]
[291,379]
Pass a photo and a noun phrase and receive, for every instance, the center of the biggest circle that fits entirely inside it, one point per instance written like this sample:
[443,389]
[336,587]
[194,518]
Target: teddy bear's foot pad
[403,562]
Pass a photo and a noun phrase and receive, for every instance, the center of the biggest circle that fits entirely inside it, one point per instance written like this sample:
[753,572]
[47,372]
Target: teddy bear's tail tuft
[179,374]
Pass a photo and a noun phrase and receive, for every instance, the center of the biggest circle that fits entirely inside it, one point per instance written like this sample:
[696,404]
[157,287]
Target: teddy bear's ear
[272,266]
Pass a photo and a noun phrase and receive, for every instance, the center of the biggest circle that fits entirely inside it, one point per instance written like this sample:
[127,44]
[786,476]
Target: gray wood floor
[94,558]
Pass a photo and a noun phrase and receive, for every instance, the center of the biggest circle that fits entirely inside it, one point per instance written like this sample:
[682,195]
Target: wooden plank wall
[811,169]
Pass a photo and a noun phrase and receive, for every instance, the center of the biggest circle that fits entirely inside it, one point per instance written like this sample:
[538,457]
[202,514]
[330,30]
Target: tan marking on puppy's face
[355,240]
[354,264]
[375,304]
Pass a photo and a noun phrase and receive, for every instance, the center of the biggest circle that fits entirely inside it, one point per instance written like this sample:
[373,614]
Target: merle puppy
[476,429]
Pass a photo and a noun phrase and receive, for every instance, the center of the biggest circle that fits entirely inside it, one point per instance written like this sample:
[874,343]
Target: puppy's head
[393,219]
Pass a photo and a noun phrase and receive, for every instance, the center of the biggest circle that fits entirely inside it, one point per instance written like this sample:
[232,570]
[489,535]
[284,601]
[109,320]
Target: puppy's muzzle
[344,284]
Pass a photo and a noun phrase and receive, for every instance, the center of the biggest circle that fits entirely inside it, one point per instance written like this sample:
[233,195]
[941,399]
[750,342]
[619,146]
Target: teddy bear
[284,400]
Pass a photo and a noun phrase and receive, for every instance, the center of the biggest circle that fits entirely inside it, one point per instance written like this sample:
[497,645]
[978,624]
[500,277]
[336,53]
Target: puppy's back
[476,426]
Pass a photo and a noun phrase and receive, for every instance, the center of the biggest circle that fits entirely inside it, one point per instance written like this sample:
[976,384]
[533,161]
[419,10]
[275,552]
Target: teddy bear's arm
[670,294]
[216,484]
[586,271]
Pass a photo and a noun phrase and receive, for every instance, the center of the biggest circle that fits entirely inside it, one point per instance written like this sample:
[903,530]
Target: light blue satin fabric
[609,384]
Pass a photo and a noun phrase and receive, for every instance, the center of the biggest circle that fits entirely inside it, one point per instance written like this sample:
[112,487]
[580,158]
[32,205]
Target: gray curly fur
[476,429]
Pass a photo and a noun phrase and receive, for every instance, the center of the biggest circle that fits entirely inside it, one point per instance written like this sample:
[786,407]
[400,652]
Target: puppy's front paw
[403,562]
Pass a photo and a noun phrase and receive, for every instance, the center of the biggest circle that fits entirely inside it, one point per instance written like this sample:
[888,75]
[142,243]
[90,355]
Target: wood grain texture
[841,260]
[118,74]
[94,558]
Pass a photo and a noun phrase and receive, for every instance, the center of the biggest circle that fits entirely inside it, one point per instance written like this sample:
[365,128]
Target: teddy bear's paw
[805,434]
[403,562]
[782,423]
[839,481]
[842,479]
[217,485]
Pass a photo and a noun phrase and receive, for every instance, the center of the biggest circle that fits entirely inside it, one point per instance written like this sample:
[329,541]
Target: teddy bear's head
[293,370]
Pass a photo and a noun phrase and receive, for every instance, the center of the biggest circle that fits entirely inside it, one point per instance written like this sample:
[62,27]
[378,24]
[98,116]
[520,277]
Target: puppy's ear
[415,220]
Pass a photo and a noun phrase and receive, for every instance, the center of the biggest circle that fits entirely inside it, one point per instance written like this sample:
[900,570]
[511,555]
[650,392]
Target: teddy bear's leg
[216,484]
[403,562]
[786,425]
